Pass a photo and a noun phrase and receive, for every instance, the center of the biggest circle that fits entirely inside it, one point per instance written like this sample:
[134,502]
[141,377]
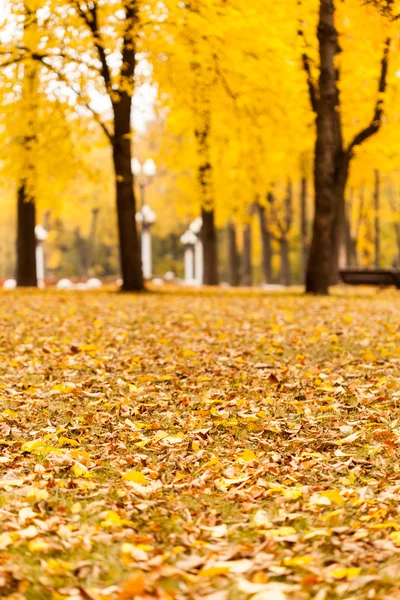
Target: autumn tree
[332,154]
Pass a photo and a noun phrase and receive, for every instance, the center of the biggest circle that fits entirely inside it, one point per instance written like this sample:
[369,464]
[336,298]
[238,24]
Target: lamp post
[146,217]
[41,236]
[144,174]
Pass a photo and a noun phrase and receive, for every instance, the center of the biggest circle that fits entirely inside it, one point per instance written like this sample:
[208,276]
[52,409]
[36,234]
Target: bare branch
[376,121]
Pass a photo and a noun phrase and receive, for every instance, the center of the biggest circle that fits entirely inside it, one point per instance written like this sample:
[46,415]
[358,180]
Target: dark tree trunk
[247,272]
[26,240]
[210,254]
[304,226]
[285,274]
[92,238]
[266,246]
[131,267]
[331,161]
[81,253]
[233,256]
[319,267]
[377,221]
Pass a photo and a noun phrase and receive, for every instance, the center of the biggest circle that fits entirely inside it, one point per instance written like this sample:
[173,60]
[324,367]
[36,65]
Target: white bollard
[189,265]
[146,252]
[198,262]
[64,284]
[41,236]
[93,284]
[9,284]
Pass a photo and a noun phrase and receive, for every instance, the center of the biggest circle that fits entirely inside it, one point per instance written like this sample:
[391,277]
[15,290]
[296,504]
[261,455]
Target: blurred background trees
[223,98]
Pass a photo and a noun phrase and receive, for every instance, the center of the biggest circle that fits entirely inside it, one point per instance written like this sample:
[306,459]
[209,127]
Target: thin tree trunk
[266,246]
[26,239]
[92,238]
[233,256]
[377,221]
[285,274]
[81,253]
[131,267]
[304,226]
[210,254]
[26,210]
[320,259]
[247,272]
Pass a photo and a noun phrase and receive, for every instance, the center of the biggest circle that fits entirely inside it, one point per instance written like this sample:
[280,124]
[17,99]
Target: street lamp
[145,173]
[146,216]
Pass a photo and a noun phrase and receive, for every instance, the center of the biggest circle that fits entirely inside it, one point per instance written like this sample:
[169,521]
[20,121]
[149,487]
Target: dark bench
[380,277]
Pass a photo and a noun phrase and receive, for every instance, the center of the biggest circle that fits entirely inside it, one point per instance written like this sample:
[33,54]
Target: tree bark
[320,259]
[377,221]
[304,226]
[131,267]
[233,256]
[285,273]
[81,253]
[331,158]
[266,246]
[210,253]
[26,239]
[92,238]
[247,272]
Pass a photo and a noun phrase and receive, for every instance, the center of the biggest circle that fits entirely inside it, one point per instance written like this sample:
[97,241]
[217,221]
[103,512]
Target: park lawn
[219,445]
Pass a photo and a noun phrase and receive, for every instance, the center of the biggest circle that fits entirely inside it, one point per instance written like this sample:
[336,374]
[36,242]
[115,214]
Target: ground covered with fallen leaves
[218,445]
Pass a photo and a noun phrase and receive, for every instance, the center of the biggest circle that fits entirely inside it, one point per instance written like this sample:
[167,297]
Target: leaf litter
[212,445]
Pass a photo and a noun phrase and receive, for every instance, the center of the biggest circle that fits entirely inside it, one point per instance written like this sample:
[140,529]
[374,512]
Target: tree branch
[40,58]
[312,89]
[89,16]
[376,121]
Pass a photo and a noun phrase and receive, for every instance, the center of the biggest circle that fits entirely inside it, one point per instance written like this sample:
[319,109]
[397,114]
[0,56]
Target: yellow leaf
[79,470]
[214,571]
[37,494]
[297,561]
[64,441]
[344,573]
[135,477]
[112,518]
[5,540]
[38,545]
[246,456]
[282,532]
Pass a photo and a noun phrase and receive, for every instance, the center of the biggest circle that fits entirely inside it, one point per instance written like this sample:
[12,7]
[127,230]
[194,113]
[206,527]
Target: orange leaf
[135,586]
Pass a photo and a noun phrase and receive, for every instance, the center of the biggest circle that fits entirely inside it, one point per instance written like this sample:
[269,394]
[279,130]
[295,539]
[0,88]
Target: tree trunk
[319,267]
[285,274]
[304,226]
[247,274]
[81,254]
[265,244]
[377,221]
[131,267]
[233,256]
[92,238]
[210,253]
[26,240]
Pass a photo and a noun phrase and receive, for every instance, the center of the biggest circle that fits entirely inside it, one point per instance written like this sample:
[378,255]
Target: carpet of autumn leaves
[210,445]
